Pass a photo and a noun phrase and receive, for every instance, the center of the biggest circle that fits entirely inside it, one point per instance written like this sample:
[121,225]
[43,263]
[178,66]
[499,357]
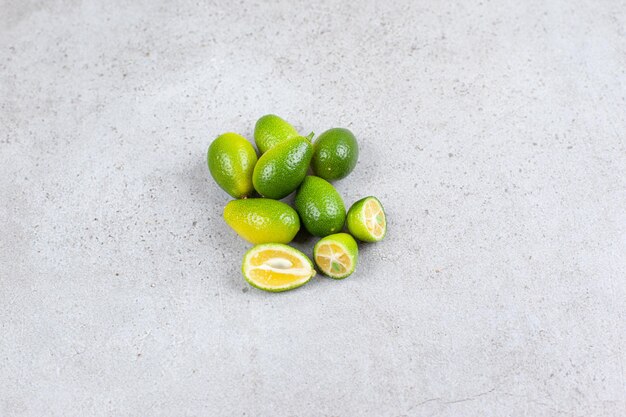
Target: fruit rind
[276,246]
[355,221]
[320,206]
[262,220]
[270,130]
[231,160]
[335,154]
[293,157]
[349,246]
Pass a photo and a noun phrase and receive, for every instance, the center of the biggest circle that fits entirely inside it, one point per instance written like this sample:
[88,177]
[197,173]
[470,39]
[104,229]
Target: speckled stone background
[493,132]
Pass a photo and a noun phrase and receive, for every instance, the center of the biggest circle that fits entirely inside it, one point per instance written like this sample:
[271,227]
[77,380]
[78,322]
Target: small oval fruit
[270,130]
[231,160]
[275,267]
[280,170]
[335,154]
[262,220]
[366,220]
[320,206]
[336,255]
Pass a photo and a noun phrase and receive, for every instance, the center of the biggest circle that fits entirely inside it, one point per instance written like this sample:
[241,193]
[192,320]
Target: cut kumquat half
[276,267]
[366,220]
[336,255]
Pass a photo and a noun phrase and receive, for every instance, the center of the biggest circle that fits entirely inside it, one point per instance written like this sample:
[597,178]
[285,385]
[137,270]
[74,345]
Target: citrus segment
[276,267]
[366,220]
[336,255]
[375,218]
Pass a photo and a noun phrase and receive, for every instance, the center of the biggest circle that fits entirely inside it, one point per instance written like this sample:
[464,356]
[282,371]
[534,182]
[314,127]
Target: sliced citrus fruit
[276,267]
[366,220]
[336,255]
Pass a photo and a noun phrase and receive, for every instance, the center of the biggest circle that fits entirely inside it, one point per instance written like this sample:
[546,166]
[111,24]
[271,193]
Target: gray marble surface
[492,131]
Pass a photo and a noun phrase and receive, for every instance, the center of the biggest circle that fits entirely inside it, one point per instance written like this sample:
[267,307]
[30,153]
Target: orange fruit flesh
[276,268]
[332,258]
[374,218]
